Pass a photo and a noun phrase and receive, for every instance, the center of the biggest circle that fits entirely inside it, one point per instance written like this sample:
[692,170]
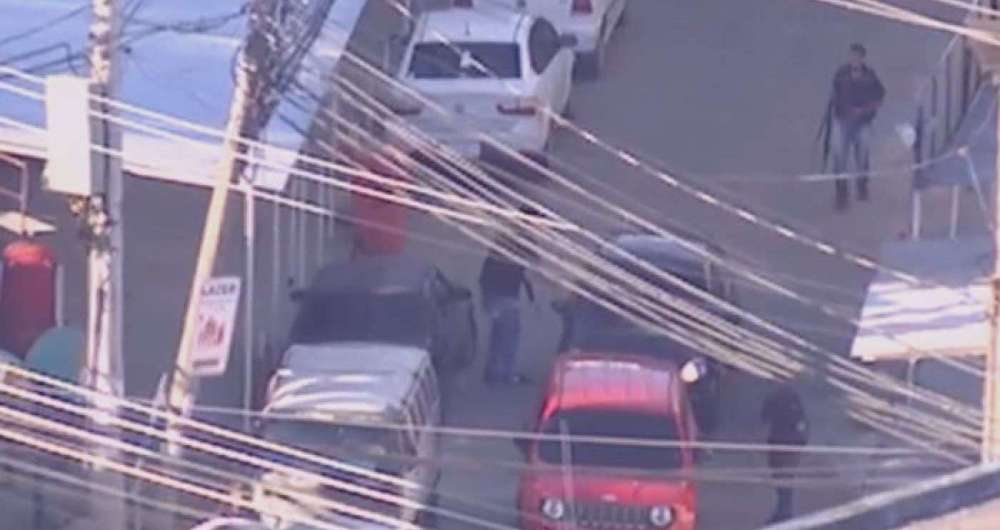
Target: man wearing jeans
[857,96]
[500,283]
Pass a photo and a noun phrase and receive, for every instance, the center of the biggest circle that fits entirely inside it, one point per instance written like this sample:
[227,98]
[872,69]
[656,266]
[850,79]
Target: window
[328,438]
[427,391]
[438,60]
[612,424]
[397,317]
[543,45]
[418,407]
[411,436]
[430,385]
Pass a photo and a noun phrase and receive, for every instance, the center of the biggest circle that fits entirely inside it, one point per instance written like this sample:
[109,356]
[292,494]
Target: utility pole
[252,102]
[988,57]
[104,212]
[103,216]
[991,390]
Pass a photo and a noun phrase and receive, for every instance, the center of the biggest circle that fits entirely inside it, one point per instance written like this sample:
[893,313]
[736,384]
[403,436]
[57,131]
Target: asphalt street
[729,94]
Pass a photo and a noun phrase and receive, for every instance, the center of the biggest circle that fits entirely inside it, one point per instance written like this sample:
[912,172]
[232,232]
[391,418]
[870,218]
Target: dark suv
[389,299]
[588,327]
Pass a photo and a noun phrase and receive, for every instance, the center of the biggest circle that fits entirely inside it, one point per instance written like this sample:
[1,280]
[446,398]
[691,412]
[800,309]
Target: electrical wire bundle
[331,182]
[484,205]
[29,416]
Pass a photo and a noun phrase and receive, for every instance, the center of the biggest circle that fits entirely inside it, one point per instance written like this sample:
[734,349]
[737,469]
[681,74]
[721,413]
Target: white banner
[220,298]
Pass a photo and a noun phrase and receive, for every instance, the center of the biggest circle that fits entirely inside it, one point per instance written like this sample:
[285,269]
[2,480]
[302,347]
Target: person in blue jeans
[500,282]
[857,96]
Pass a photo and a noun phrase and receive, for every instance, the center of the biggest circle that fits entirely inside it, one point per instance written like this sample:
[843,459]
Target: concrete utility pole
[988,57]
[991,390]
[104,212]
[252,102]
[103,216]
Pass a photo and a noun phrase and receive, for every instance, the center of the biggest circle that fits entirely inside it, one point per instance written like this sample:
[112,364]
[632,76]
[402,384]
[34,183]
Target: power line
[684,185]
[656,230]
[66,482]
[34,30]
[245,441]
[144,475]
[536,251]
[830,311]
[811,476]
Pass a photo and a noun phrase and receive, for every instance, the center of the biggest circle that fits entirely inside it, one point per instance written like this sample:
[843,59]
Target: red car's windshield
[611,424]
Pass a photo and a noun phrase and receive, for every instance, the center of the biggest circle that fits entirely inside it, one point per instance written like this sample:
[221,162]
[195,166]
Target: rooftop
[355,378]
[354,357]
[621,381]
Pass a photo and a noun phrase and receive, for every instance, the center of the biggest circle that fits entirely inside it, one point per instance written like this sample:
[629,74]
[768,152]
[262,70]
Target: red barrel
[380,224]
[27,295]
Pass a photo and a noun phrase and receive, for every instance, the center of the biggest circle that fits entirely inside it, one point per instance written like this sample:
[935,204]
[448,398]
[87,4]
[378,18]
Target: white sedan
[491,71]
[591,21]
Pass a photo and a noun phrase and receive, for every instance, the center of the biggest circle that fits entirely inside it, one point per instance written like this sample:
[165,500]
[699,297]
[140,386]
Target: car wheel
[470,346]
[590,64]
[567,112]
[427,518]
[708,407]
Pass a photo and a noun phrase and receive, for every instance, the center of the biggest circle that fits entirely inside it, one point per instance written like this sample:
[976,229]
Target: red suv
[580,484]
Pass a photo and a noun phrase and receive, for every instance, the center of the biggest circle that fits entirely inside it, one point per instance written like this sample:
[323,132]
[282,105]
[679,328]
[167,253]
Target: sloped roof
[945,316]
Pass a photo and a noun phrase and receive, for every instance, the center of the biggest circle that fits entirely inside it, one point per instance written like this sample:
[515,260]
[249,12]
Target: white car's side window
[543,45]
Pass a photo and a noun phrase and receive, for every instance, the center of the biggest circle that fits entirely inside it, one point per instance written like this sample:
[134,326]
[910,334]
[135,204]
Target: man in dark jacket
[785,417]
[857,96]
[500,282]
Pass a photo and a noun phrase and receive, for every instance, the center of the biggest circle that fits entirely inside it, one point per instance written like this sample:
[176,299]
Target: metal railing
[942,106]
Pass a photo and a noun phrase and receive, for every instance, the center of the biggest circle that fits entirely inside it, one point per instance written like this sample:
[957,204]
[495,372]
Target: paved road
[735,89]
[714,87]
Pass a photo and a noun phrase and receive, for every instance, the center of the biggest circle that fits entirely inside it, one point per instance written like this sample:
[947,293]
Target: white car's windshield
[435,60]
[368,448]
[324,437]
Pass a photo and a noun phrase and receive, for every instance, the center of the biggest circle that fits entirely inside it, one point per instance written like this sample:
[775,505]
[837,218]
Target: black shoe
[862,184]
[515,379]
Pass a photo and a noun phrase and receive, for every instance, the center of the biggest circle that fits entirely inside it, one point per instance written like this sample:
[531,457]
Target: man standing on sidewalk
[857,96]
[785,417]
[500,282]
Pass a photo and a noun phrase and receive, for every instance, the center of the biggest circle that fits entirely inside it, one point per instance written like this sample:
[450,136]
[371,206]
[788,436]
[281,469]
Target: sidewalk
[904,59]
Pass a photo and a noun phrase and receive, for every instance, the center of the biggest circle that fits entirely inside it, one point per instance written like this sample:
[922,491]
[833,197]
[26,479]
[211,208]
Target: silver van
[373,406]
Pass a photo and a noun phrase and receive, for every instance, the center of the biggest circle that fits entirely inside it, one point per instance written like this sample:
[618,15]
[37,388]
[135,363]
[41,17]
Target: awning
[946,315]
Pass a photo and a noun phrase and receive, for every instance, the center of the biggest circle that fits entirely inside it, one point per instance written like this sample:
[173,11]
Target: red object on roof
[27,295]
[380,224]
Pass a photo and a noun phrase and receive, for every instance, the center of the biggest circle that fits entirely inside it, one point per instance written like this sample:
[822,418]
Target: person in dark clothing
[500,283]
[785,417]
[857,96]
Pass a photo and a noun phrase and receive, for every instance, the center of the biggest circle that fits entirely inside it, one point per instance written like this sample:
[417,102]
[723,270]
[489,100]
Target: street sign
[220,298]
